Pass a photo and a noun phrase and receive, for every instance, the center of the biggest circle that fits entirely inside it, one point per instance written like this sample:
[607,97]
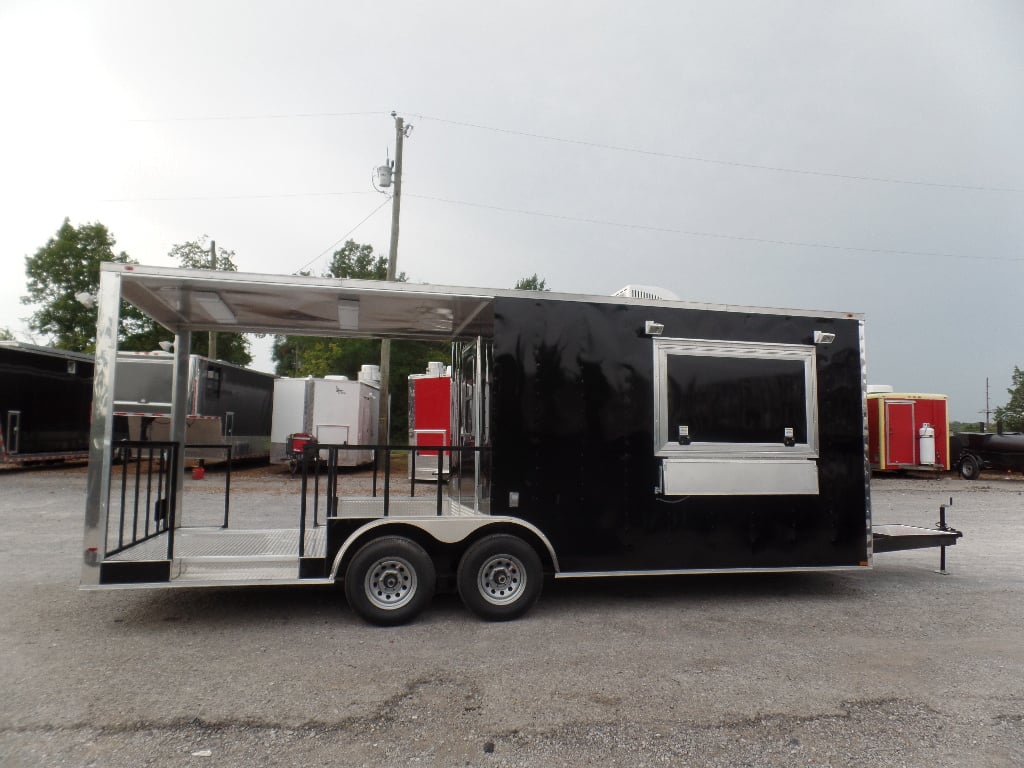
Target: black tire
[970,467]
[390,580]
[500,577]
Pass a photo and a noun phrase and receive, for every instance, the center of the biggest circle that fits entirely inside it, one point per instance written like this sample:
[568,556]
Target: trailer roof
[205,300]
[65,354]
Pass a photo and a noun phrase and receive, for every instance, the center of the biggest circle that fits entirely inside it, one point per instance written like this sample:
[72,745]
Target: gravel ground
[897,666]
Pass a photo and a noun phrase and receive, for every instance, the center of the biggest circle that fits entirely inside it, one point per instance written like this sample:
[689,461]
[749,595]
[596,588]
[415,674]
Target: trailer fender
[445,530]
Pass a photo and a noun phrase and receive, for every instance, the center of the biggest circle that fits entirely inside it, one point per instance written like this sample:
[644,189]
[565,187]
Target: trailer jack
[941,526]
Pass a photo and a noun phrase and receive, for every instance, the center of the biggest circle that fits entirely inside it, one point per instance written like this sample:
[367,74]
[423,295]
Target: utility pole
[212,344]
[384,425]
[988,410]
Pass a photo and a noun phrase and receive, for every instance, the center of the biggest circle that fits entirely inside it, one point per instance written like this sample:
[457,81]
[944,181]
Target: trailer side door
[900,443]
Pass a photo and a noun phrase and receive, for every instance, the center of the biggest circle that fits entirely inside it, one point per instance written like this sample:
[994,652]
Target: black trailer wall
[573,426]
[248,394]
[52,395]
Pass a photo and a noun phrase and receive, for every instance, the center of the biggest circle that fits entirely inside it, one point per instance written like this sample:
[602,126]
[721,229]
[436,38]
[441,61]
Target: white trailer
[334,410]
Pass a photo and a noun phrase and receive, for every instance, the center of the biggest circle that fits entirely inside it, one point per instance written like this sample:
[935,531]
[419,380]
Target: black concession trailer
[592,436]
[45,396]
[228,405]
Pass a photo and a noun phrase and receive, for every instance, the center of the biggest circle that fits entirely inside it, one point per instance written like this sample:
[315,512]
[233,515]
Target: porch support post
[179,412]
[97,494]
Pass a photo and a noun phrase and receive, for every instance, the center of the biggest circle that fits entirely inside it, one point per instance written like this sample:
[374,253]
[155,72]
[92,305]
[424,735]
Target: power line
[713,161]
[597,145]
[230,118]
[224,197]
[343,237]
[716,235]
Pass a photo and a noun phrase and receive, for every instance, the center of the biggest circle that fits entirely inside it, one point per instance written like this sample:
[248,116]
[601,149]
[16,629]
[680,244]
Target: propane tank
[926,444]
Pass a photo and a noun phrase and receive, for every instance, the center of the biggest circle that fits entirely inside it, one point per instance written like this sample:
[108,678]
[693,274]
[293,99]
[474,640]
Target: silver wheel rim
[501,579]
[390,583]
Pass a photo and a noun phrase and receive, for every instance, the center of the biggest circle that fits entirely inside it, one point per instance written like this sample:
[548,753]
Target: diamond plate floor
[234,544]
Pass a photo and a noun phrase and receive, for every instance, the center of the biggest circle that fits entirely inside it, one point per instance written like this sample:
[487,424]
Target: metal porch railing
[148,494]
[148,503]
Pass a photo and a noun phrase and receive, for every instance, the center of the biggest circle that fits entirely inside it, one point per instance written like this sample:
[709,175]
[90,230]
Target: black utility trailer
[973,452]
[45,396]
[591,436]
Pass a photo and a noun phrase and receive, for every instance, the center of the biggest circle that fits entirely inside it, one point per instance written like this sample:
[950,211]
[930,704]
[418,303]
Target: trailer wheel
[390,580]
[500,577]
[970,467]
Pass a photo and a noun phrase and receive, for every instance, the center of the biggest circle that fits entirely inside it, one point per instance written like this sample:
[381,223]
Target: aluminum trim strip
[870,547]
[706,571]
[208,584]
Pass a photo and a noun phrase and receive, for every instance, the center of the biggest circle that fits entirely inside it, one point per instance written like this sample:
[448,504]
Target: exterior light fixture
[653,328]
[824,337]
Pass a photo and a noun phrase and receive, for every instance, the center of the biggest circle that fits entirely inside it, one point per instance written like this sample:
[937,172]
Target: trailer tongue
[897,538]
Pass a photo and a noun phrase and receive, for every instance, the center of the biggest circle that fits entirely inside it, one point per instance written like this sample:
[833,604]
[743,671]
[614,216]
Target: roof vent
[435,369]
[370,374]
[646,292]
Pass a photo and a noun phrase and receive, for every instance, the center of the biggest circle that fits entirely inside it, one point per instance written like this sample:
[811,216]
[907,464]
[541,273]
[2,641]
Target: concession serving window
[735,417]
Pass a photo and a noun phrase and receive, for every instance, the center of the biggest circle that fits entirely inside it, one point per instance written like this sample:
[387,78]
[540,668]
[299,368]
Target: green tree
[322,356]
[1011,415]
[67,267]
[357,261]
[6,334]
[531,283]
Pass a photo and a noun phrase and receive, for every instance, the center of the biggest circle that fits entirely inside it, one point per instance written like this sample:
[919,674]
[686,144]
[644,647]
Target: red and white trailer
[430,419]
[907,431]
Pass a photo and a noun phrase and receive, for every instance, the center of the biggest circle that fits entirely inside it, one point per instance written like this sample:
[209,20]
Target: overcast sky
[855,156]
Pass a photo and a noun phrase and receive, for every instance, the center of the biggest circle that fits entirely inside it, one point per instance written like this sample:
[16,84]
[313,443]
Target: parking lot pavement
[893,666]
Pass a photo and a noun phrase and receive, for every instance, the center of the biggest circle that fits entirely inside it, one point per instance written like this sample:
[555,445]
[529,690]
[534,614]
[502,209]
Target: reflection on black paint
[574,436]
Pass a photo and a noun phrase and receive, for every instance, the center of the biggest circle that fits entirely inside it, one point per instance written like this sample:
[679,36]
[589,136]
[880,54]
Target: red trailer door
[900,443]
